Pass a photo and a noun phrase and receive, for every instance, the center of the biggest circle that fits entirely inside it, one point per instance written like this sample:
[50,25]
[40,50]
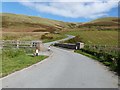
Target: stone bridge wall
[78,45]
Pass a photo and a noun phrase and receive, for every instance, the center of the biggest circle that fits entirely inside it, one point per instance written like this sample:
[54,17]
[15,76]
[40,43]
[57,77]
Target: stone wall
[70,46]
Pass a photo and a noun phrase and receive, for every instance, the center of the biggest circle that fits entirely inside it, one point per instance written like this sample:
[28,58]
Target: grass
[108,56]
[23,23]
[28,36]
[32,19]
[53,37]
[106,19]
[86,54]
[14,60]
[22,35]
[97,37]
[106,59]
[73,40]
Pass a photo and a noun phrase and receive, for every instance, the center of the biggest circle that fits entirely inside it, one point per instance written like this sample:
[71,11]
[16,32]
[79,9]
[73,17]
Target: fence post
[17,43]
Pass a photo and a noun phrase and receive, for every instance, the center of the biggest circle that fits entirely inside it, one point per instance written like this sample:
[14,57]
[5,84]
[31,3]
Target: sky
[64,11]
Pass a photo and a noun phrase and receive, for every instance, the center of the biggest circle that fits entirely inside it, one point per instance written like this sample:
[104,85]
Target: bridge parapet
[20,44]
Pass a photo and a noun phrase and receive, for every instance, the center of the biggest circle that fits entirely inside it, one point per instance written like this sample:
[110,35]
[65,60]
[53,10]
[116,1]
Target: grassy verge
[86,54]
[14,60]
[94,37]
[105,58]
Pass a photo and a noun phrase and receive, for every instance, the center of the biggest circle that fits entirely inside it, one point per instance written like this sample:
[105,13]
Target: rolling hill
[107,23]
[23,23]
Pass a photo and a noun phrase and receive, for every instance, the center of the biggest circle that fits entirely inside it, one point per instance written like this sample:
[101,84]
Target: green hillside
[23,23]
[15,22]
[107,23]
[106,19]
[109,38]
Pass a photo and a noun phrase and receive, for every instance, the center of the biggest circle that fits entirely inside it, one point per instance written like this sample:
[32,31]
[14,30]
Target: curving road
[63,69]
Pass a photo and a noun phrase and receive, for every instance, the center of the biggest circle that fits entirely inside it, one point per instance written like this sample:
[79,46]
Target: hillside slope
[23,23]
[107,23]
[15,22]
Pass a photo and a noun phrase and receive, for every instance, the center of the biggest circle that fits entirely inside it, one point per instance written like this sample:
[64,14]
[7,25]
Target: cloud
[93,9]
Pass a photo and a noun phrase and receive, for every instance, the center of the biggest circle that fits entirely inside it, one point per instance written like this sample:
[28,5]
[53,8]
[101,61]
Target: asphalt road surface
[63,69]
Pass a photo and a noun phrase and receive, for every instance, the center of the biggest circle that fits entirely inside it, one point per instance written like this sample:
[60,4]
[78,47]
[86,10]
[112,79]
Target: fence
[20,44]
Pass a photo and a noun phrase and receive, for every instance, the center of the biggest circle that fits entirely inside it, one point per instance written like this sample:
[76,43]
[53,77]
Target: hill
[23,23]
[107,23]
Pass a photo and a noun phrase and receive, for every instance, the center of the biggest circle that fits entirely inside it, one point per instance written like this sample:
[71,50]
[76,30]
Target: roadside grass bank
[110,60]
[99,45]
[17,59]
[94,37]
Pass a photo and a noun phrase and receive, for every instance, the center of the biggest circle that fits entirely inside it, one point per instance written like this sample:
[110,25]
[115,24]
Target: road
[63,69]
